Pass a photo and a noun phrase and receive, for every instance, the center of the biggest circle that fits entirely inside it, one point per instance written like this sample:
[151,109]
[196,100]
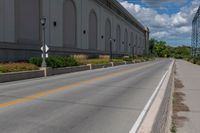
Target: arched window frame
[75,9]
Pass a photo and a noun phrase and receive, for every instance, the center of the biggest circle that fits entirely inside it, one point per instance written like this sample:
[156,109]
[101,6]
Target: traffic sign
[46,48]
[46,55]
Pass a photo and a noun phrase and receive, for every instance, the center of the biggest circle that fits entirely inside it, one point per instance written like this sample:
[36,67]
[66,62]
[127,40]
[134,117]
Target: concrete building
[72,27]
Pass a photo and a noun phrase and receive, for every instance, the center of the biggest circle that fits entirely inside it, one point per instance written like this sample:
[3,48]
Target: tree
[152,42]
[161,49]
[182,52]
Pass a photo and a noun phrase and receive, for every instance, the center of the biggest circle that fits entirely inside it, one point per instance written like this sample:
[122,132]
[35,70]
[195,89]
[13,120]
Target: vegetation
[92,61]
[195,60]
[17,67]
[64,61]
[173,128]
[115,60]
[161,49]
[55,61]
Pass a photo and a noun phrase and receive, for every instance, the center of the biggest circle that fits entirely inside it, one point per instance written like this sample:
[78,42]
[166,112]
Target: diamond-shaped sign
[46,48]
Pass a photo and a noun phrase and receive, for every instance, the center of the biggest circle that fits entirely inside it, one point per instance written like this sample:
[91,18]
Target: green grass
[173,128]
[174,100]
[17,67]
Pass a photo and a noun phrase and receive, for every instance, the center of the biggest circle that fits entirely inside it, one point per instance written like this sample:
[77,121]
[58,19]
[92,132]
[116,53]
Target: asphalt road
[99,101]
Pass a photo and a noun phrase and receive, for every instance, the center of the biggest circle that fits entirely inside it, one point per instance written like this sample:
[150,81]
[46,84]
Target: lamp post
[43,24]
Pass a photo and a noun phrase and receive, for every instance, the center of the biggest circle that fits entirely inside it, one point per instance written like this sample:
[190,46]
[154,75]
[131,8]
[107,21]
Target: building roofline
[130,16]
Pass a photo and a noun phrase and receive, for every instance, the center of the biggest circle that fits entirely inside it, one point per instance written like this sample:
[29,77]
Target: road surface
[99,101]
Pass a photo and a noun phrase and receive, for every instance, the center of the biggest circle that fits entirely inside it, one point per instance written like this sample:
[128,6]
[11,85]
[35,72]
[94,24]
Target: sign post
[44,47]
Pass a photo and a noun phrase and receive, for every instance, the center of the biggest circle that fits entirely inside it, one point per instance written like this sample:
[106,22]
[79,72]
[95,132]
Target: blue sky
[168,20]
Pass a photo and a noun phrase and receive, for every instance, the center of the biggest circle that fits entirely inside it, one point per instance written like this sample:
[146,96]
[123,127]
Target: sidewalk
[189,92]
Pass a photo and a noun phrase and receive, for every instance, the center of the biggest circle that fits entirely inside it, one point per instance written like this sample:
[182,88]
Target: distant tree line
[161,49]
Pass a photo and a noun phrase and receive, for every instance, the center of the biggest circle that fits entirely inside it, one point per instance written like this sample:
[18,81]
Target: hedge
[55,61]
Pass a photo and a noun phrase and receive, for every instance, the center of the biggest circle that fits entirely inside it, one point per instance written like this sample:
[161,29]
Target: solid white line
[147,106]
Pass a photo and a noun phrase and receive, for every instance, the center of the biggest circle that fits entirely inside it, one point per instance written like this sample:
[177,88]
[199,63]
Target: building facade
[196,34]
[72,27]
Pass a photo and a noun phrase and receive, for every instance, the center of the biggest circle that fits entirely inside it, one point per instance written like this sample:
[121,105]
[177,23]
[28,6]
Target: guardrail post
[90,65]
[45,71]
[112,63]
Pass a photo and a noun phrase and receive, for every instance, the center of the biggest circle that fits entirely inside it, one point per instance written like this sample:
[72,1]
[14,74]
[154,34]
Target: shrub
[93,61]
[198,62]
[121,59]
[16,67]
[127,59]
[55,61]
[117,60]
[36,60]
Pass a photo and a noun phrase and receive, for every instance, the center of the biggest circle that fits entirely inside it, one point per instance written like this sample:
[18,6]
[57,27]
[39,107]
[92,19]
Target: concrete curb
[101,66]
[158,117]
[15,76]
[57,71]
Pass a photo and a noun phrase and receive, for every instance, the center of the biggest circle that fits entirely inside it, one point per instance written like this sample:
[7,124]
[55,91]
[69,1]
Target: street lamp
[43,24]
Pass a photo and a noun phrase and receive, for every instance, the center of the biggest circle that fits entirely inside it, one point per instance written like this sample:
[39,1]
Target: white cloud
[165,26]
[157,2]
[184,29]
[179,19]
[160,35]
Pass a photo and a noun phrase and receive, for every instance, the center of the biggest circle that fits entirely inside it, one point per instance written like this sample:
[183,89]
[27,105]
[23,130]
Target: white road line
[147,106]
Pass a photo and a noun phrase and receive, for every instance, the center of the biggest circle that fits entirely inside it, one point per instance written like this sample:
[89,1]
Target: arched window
[126,41]
[107,34]
[136,45]
[118,38]
[69,24]
[92,30]
[27,21]
[132,44]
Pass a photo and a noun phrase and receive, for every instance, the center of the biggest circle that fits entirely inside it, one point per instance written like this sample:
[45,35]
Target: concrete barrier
[118,63]
[129,62]
[7,77]
[57,71]
[158,117]
[101,66]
